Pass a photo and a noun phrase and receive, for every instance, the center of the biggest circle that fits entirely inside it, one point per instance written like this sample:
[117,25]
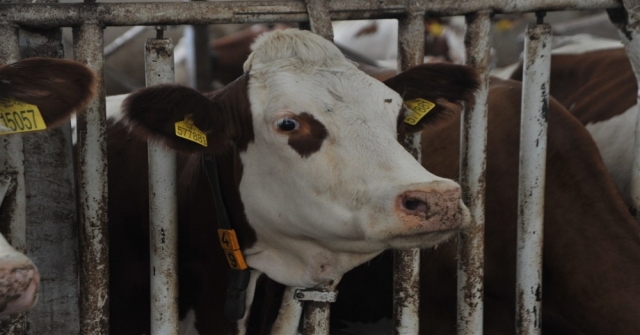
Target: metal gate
[88,20]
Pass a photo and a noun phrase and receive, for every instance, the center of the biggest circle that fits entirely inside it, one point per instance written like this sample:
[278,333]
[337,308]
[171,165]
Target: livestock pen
[30,23]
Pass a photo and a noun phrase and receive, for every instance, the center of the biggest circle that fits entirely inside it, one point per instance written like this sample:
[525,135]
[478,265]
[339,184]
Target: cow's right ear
[183,118]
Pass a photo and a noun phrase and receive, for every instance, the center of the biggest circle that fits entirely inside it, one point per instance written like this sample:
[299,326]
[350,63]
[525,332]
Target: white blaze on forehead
[321,215]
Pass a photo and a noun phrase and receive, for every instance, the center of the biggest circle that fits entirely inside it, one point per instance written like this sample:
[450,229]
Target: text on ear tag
[231,247]
[19,117]
[418,109]
[187,130]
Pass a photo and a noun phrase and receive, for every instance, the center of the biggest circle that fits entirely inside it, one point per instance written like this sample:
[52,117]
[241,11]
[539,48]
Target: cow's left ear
[433,91]
[57,87]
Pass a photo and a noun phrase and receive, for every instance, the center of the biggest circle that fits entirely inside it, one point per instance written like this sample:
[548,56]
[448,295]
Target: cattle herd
[317,187]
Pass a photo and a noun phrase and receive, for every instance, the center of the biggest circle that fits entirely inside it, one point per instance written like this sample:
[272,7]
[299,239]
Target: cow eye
[287,124]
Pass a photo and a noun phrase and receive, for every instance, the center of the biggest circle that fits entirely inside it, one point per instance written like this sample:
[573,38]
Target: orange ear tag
[187,130]
[231,247]
[19,117]
[418,109]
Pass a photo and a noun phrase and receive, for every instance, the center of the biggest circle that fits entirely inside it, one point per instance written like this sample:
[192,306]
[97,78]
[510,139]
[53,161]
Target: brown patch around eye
[309,137]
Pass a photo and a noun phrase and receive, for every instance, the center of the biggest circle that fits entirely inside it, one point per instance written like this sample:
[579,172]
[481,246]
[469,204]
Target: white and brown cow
[310,169]
[57,88]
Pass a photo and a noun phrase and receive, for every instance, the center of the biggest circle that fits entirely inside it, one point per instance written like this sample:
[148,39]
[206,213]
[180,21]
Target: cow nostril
[414,205]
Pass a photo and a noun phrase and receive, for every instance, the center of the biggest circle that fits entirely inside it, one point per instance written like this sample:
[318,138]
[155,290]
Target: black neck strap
[239,275]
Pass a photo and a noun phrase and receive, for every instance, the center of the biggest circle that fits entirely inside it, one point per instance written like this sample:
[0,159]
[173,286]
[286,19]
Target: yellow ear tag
[231,247]
[418,109]
[19,117]
[436,29]
[187,130]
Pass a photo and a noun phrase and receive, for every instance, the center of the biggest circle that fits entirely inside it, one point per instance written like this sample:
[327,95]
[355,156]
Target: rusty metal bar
[14,222]
[163,203]
[628,26]
[92,189]
[316,313]
[174,13]
[473,165]
[406,263]
[289,314]
[319,18]
[533,151]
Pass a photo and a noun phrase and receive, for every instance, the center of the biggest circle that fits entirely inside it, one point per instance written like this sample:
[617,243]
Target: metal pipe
[198,12]
[123,39]
[473,165]
[533,150]
[406,263]
[14,221]
[163,204]
[289,314]
[316,313]
[92,189]
[319,18]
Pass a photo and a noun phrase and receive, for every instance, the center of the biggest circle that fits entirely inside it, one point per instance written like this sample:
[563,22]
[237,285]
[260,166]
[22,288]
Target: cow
[310,168]
[593,79]
[57,88]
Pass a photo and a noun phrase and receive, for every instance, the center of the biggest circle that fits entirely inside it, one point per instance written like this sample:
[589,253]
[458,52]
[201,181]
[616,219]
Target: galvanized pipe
[163,204]
[533,150]
[92,189]
[14,222]
[319,18]
[289,314]
[406,263]
[316,313]
[176,13]
[473,165]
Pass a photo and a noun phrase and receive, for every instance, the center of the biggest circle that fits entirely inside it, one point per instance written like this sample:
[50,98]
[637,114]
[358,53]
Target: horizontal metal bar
[174,13]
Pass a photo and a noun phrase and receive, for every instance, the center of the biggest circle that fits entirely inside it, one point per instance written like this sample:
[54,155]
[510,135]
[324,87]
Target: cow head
[326,185]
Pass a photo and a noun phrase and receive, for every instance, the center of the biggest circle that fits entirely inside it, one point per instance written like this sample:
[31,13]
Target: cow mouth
[422,240]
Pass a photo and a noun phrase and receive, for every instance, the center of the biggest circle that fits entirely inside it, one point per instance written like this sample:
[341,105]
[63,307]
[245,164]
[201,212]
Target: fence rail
[89,19]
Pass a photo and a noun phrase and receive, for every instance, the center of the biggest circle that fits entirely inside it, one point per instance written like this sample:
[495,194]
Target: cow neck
[238,278]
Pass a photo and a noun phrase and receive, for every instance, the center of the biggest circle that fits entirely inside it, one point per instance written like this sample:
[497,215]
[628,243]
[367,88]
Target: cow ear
[183,118]
[58,87]
[431,92]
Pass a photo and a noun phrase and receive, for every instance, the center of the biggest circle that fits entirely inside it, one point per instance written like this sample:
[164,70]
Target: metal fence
[88,20]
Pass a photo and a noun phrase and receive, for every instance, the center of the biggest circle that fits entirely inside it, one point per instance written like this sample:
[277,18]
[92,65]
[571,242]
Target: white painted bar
[289,315]
[406,263]
[163,205]
[533,150]
[473,165]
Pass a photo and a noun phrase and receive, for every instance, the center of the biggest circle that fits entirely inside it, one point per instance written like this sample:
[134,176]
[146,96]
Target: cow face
[326,186]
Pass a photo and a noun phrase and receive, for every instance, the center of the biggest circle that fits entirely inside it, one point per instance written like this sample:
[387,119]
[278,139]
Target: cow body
[311,172]
[57,88]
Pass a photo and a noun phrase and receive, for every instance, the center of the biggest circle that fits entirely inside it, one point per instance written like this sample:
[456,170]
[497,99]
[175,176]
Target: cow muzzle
[19,281]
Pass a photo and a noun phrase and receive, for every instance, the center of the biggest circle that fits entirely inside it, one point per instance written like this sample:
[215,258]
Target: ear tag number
[19,117]
[418,109]
[231,247]
[187,130]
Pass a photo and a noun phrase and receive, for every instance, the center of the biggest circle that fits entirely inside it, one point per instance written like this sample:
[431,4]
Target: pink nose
[436,204]
[19,281]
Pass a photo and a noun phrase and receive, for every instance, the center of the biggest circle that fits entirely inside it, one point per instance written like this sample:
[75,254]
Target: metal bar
[174,13]
[627,23]
[406,263]
[533,150]
[92,189]
[14,221]
[319,18]
[289,314]
[123,39]
[163,204]
[316,313]
[473,165]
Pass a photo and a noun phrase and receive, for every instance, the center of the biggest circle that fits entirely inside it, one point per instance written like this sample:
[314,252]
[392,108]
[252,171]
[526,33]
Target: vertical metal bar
[289,314]
[316,313]
[163,204]
[473,164]
[198,58]
[14,222]
[406,263]
[533,150]
[627,22]
[92,189]
[319,18]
